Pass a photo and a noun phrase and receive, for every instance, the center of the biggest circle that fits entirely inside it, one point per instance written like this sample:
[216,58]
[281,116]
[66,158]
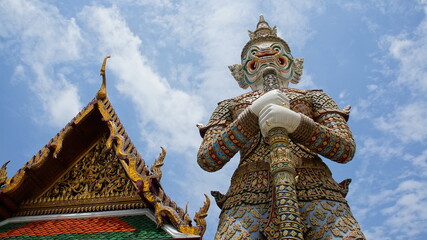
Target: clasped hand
[273,111]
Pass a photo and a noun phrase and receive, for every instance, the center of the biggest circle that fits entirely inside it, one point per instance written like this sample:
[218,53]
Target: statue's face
[263,55]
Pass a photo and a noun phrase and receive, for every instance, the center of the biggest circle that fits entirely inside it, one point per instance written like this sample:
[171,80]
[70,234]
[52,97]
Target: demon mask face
[267,56]
[266,53]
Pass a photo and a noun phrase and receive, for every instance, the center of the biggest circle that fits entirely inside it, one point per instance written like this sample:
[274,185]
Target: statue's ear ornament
[237,72]
[298,67]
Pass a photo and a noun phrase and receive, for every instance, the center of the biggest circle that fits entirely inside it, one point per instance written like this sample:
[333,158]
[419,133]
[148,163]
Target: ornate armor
[323,130]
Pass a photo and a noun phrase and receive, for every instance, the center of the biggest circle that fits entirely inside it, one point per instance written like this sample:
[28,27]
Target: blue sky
[169,69]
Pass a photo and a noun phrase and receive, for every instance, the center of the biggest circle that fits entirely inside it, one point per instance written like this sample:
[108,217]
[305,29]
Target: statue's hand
[276,97]
[273,116]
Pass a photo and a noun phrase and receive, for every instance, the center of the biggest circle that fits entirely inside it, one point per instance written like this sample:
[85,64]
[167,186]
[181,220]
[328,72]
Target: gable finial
[102,92]
[3,175]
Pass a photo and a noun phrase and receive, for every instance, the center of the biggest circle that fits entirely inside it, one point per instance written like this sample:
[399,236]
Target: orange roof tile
[70,226]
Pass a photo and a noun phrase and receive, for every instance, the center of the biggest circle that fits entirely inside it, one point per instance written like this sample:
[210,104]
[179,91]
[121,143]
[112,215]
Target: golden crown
[262,33]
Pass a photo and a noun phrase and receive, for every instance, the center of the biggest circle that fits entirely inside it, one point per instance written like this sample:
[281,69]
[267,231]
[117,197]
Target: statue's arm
[223,137]
[328,134]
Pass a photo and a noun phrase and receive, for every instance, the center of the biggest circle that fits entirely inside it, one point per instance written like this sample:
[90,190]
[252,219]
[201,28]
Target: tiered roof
[91,166]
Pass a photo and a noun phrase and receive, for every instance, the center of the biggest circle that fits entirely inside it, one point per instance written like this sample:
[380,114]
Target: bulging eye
[277,48]
[282,61]
[252,65]
[253,52]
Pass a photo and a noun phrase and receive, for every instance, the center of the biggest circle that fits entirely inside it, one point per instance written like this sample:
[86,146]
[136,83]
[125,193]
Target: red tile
[70,226]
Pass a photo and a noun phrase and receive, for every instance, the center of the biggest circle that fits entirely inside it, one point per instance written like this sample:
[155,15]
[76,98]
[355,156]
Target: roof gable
[69,173]
[96,182]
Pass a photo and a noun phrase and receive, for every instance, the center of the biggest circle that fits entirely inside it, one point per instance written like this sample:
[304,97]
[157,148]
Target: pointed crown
[262,33]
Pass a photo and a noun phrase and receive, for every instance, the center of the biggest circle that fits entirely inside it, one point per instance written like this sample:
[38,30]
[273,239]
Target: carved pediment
[96,182]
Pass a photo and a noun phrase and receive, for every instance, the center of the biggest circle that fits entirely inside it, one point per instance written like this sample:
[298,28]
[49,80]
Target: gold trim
[133,165]
[158,163]
[38,159]
[200,216]
[84,208]
[102,92]
[79,158]
[3,175]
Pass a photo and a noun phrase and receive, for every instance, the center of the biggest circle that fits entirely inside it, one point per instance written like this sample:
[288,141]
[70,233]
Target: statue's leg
[242,222]
[329,220]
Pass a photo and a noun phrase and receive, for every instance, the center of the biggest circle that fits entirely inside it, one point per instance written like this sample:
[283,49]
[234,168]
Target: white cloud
[61,104]
[392,176]
[44,38]
[377,233]
[218,34]
[352,6]
[394,196]
[419,162]
[362,110]
[295,23]
[371,24]
[411,53]
[155,3]
[343,94]
[406,123]
[386,149]
[404,203]
[166,114]
[305,83]
[181,76]
[19,74]
[410,207]
[372,87]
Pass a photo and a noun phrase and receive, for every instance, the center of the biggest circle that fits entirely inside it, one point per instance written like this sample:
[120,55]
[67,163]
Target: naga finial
[102,92]
[158,163]
[3,174]
[200,215]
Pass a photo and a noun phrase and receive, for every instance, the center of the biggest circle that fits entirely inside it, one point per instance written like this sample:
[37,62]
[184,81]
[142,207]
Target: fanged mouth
[264,56]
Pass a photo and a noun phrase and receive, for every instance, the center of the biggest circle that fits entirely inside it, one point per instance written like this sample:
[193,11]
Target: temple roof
[117,227]
[127,224]
[91,165]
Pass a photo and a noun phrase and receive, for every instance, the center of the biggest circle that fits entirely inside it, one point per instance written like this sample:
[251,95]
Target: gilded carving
[148,182]
[200,215]
[102,92]
[158,163]
[96,182]
[111,175]
[3,174]
[98,174]
[39,158]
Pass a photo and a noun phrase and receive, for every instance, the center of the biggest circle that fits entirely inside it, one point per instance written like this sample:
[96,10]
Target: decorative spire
[264,32]
[102,92]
